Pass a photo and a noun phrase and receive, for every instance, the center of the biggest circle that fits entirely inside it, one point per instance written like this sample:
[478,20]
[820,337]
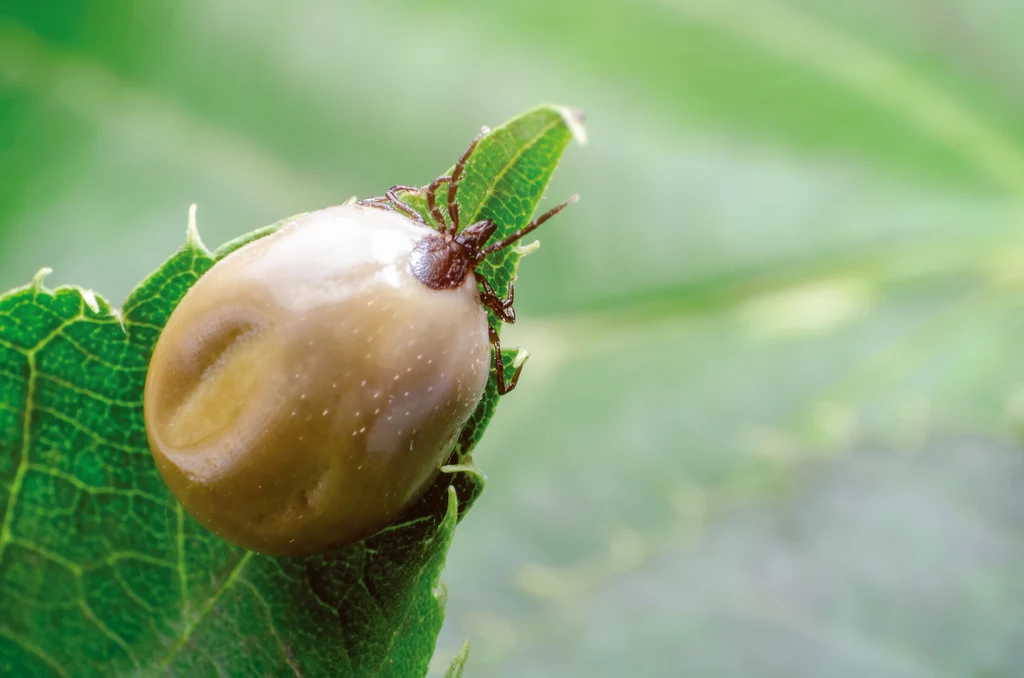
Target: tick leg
[501,307]
[499,366]
[505,242]
[380,201]
[392,196]
[453,184]
[435,211]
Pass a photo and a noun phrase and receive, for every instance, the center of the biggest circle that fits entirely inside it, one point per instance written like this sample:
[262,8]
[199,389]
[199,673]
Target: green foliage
[459,663]
[102,571]
[771,423]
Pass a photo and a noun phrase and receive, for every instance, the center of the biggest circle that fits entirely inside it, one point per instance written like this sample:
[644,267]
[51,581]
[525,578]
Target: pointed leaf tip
[459,663]
[521,357]
[574,119]
[39,277]
[192,239]
[466,467]
[89,297]
[523,250]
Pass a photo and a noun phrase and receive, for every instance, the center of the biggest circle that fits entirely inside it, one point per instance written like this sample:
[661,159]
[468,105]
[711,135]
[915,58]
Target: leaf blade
[132,583]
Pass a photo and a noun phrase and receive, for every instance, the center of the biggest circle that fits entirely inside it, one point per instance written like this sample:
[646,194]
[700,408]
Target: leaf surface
[101,571]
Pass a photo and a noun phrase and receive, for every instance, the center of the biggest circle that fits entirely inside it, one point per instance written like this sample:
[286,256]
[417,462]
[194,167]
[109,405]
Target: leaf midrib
[492,186]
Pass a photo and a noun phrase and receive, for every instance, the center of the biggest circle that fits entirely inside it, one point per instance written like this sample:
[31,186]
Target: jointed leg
[501,307]
[378,201]
[505,242]
[453,184]
[499,366]
[392,196]
[435,211]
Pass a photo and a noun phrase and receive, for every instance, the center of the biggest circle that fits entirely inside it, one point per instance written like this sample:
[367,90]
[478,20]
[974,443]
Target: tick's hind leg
[499,366]
[501,307]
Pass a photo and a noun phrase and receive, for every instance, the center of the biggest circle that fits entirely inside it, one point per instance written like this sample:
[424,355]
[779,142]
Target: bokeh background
[771,425]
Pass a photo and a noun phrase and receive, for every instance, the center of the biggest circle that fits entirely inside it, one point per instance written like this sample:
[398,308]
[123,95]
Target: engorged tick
[259,391]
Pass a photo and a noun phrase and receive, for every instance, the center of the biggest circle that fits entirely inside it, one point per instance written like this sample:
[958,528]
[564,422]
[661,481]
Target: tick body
[308,388]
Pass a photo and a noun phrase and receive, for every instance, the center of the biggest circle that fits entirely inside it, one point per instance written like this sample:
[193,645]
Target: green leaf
[794,276]
[519,155]
[459,663]
[101,571]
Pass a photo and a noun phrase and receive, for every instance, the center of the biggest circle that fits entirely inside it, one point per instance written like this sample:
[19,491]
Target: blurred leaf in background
[771,422]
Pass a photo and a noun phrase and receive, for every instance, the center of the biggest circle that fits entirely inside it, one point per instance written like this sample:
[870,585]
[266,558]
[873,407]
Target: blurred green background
[771,423]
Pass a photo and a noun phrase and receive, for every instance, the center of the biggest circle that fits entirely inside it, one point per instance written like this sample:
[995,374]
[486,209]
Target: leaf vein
[489,193]
[207,606]
[28,545]
[101,360]
[182,570]
[31,647]
[89,393]
[120,447]
[95,489]
[273,629]
[107,631]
